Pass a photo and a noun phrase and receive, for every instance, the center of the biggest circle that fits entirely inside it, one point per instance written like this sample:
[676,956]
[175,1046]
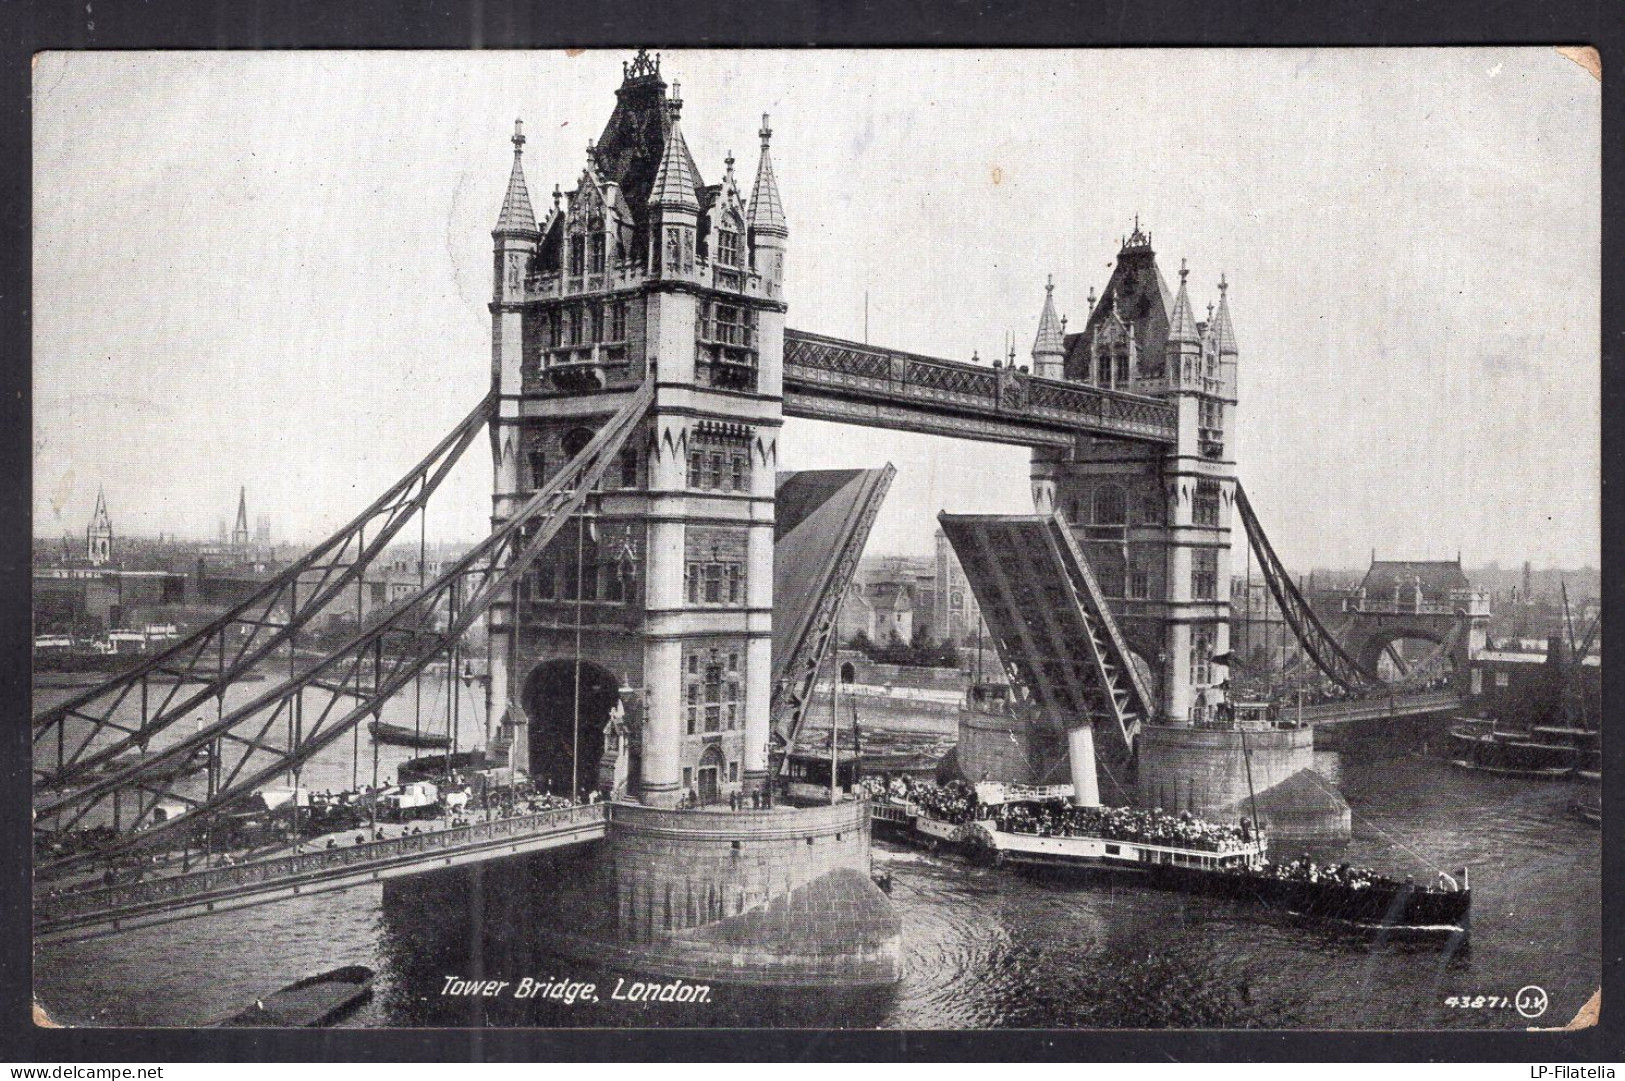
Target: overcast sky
[272,269]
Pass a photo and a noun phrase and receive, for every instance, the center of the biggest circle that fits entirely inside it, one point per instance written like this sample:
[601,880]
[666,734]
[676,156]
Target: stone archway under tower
[561,750]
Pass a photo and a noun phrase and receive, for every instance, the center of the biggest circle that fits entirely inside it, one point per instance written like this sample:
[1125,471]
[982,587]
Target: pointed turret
[766,209]
[1223,333]
[1182,321]
[517,217]
[1049,348]
[675,187]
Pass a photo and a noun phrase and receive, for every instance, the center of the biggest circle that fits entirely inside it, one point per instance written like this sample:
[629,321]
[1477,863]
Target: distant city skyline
[299,281]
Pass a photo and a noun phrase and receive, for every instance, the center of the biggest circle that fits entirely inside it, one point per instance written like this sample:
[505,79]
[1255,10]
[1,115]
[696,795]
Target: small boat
[396,735]
[1544,752]
[434,767]
[310,1003]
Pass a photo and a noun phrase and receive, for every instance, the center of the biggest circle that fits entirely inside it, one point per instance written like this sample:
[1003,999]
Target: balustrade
[308,864]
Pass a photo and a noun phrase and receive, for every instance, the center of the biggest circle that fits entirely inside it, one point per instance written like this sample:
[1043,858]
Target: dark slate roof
[1147,303]
[1438,577]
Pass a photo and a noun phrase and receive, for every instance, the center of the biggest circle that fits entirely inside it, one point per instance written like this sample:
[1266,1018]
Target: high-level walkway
[91,913]
[833,379]
[1375,706]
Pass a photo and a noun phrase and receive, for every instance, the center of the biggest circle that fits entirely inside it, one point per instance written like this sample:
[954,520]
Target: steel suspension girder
[247,633]
[1323,648]
[425,627]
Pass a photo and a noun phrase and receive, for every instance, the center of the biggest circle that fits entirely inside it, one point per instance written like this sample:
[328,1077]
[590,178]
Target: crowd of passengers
[1154,827]
[1304,869]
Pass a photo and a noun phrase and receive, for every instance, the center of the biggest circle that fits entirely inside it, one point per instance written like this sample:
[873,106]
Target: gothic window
[596,257]
[693,700]
[570,334]
[1108,567]
[1201,656]
[696,469]
[674,249]
[1110,505]
[713,583]
[741,472]
[728,247]
[1139,578]
[597,322]
[555,329]
[1122,369]
[732,713]
[713,475]
[1204,574]
[1205,505]
[575,255]
[617,321]
[1151,507]
[736,583]
[729,326]
[713,697]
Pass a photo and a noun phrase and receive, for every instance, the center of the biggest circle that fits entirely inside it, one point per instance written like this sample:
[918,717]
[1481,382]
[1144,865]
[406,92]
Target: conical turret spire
[517,215]
[98,518]
[1049,341]
[766,209]
[1223,333]
[1182,321]
[675,186]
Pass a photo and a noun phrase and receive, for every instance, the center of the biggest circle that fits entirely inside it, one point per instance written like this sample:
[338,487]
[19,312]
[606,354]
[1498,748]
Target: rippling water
[982,947]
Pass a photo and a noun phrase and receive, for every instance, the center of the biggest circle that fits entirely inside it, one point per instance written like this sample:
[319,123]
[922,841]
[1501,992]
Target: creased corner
[42,1019]
[1586,56]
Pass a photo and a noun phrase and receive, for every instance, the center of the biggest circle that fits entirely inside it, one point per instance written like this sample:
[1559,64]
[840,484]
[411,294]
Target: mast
[834,724]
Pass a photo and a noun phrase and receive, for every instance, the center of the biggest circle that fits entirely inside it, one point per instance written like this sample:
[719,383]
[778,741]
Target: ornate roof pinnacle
[516,216]
[766,132]
[766,208]
[1182,321]
[640,66]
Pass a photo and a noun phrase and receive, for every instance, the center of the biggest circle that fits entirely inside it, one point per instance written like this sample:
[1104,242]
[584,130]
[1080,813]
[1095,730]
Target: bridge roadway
[850,382]
[107,910]
[1374,707]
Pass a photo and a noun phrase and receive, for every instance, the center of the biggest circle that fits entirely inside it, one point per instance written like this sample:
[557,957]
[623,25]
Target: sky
[271,270]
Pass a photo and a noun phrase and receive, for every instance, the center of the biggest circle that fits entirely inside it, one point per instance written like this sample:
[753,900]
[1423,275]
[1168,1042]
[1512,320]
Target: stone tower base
[1206,772]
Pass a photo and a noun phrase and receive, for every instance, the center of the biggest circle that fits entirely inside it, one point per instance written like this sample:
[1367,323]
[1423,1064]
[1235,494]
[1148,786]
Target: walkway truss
[1050,621]
[82,747]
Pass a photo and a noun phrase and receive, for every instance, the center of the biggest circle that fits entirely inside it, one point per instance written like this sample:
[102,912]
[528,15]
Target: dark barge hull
[1397,908]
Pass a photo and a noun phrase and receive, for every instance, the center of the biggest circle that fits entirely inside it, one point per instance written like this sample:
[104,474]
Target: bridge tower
[1155,523]
[664,588]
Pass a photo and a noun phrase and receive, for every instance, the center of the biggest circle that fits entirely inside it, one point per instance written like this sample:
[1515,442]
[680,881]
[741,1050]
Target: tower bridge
[659,596]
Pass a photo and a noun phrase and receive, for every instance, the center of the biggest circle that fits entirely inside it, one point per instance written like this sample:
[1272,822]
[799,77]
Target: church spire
[1223,332]
[766,209]
[1182,321]
[99,537]
[675,185]
[1049,348]
[517,215]
[239,532]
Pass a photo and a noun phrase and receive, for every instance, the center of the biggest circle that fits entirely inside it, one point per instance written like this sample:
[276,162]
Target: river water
[983,947]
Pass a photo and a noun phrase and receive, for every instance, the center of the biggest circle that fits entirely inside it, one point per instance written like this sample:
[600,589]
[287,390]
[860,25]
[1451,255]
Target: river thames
[982,947]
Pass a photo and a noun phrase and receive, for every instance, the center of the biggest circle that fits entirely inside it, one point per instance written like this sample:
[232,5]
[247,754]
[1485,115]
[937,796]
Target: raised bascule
[659,596]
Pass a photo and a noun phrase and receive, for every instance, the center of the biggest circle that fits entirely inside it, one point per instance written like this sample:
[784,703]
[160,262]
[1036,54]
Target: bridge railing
[217,880]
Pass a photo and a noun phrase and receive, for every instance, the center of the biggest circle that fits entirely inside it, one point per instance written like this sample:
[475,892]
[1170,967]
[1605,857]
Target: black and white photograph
[892,539]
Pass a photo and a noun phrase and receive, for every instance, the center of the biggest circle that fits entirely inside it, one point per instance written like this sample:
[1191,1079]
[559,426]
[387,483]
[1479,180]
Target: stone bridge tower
[1155,523]
[664,588]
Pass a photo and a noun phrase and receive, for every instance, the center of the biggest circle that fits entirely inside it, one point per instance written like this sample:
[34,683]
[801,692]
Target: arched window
[1111,506]
[1151,508]
[575,441]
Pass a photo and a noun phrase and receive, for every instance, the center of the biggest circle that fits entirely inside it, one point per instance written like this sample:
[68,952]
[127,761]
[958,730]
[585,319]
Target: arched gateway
[556,740]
